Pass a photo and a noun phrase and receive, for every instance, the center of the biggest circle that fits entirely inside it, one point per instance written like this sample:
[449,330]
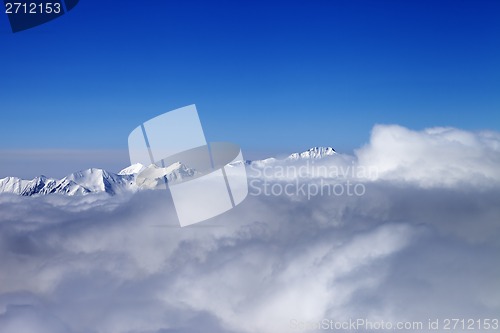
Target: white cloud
[433,157]
[412,247]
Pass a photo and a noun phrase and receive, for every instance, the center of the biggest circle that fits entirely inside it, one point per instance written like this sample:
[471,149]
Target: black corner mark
[26,14]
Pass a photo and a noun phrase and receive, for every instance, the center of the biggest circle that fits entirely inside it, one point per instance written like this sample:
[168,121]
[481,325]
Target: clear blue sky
[283,75]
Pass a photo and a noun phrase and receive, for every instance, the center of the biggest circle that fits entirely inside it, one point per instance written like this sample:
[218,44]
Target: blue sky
[281,76]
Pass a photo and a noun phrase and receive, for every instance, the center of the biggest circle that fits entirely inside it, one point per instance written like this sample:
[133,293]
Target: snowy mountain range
[98,181]
[78,183]
[314,153]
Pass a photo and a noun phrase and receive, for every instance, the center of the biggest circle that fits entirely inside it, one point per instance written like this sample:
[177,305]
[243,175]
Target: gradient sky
[281,76]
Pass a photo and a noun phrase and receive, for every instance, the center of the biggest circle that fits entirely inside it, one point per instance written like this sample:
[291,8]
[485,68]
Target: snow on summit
[96,180]
[316,152]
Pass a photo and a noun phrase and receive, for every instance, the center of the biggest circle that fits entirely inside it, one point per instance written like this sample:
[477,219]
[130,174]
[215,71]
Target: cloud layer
[437,156]
[413,247]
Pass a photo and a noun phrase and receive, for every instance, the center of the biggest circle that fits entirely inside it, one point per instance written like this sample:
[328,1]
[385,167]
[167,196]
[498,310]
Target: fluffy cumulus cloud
[415,246]
[437,156]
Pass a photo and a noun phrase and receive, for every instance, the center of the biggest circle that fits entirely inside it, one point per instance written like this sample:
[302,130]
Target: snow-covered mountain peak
[99,180]
[134,169]
[181,168]
[12,185]
[153,176]
[314,153]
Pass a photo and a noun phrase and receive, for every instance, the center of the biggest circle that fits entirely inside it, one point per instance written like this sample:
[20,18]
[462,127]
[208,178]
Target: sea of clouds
[422,242]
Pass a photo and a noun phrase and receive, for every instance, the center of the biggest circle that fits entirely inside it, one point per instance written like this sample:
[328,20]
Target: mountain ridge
[95,180]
